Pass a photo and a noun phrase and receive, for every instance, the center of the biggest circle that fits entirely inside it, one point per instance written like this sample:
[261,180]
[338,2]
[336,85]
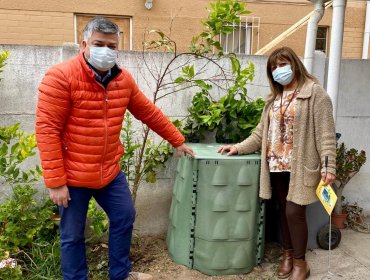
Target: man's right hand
[60,195]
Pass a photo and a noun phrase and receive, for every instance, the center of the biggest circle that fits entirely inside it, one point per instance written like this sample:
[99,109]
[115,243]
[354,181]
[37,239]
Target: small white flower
[10,262]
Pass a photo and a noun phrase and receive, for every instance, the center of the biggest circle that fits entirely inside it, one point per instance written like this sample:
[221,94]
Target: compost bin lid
[209,151]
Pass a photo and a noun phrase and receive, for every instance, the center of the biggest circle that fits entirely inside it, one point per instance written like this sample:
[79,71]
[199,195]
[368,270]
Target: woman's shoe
[286,264]
[301,270]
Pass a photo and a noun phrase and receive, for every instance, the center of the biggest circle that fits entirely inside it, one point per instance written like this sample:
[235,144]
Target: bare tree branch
[172,92]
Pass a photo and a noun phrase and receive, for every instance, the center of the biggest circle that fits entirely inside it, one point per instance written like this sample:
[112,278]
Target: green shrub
[4,55]
[9,269]
[98,220]
[26,225]
[23,220]
[141,159]
[15,147]
[349,163]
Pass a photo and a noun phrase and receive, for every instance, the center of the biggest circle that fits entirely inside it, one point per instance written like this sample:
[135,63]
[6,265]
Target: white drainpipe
[339,7]
[365,48]
[311,34]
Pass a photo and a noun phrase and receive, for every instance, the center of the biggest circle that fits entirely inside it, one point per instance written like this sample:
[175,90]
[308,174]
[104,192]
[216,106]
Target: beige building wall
[354,29]
[28,27]
[278,17]
[43,22]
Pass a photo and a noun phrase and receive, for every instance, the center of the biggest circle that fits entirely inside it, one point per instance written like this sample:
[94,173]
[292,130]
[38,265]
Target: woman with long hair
[296,137]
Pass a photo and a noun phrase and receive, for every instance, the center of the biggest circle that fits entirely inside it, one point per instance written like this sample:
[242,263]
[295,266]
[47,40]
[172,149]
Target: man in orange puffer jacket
[81,106]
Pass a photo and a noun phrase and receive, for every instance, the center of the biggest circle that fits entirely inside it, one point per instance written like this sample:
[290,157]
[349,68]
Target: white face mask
[102,58]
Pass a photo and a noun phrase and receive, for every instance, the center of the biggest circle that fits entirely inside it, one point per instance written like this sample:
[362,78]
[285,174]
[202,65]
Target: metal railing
[245,37]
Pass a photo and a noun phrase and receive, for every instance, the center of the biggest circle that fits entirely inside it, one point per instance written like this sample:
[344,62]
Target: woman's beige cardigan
[313,139]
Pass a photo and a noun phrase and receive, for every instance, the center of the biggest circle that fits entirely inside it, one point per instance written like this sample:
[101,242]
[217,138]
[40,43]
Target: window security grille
[245,37]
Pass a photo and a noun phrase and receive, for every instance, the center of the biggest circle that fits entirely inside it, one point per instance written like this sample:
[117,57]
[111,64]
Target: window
[124,24]
[244,39]
[237,42]
[321,38]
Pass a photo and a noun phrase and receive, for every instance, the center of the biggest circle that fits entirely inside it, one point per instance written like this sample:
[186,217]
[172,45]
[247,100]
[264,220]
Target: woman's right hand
[229,149]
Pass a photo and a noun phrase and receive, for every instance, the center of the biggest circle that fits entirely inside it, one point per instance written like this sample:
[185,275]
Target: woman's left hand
[327,178]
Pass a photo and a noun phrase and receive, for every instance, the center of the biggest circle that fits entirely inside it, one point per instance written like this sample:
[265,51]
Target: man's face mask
[283,75]
[102,58]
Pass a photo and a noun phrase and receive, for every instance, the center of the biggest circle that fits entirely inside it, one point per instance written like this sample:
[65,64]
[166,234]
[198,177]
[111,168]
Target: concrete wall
[353,122]
[27,65]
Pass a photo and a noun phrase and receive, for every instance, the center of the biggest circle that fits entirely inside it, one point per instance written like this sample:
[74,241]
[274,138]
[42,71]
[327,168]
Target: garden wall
[27,65]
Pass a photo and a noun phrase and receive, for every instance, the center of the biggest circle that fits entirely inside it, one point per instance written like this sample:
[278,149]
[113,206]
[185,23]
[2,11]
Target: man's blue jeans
[115,199]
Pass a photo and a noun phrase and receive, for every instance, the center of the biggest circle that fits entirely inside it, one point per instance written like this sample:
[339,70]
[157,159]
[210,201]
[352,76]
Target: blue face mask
[283,75]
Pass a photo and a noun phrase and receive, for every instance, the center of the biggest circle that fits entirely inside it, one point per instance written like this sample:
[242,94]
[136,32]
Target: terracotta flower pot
[339,219]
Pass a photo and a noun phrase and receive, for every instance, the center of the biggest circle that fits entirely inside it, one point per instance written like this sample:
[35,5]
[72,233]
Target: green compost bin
[216,218]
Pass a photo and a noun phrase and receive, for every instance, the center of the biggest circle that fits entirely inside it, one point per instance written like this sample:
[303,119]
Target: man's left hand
[328,178]
[184,149]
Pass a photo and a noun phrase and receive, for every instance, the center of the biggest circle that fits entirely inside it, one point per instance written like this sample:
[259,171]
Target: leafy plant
[145,157]
[29,241]
[233,116]
[15,147]
[9,269]
[155,157]
[232,113]
[349,163]
[23,220]
[4,55]
[222,18]
[127,160]
[25,223]
[98,219]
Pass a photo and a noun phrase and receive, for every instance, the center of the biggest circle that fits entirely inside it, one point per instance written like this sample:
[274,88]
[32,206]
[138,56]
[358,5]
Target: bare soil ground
[149,254]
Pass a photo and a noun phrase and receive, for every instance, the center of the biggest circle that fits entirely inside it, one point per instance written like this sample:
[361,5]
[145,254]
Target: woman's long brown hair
[301,74]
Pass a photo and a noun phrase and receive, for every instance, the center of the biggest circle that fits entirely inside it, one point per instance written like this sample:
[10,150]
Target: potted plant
[349,163]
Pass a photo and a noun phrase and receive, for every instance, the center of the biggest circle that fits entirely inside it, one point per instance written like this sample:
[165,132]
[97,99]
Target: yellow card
[327,196]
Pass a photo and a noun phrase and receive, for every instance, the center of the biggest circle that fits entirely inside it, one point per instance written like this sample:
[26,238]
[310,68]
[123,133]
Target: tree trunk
[338,206]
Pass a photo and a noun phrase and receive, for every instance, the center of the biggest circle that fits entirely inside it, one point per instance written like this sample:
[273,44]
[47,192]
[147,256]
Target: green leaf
[245,125]
[188,71]
[14,148]
[151,177]
[235,64]
[16,173]
[24,176]
[4,149]
[203,85]
[217,45]
[180,80]
[191,71]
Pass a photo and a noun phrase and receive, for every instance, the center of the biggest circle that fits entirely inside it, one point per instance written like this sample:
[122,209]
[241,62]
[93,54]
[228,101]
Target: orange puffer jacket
[78,124]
